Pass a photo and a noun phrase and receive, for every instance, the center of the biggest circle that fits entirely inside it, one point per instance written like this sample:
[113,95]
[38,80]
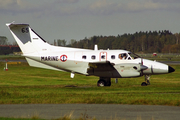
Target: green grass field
[23,84]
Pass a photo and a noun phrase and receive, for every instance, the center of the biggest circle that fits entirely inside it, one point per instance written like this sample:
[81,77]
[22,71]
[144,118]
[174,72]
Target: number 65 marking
[25,30]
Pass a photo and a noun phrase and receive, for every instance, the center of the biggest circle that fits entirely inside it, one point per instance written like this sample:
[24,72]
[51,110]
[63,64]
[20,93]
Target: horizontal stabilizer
[40,65]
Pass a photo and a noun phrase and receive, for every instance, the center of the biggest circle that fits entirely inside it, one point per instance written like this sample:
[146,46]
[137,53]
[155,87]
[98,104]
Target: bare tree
[3,40]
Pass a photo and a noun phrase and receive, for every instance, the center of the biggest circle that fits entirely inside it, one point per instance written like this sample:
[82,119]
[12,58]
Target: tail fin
[27,39]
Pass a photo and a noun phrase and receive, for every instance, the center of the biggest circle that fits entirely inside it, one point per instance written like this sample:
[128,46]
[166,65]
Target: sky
[77,19]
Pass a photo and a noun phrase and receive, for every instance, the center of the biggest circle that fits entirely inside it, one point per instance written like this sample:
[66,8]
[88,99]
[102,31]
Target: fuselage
[76,60]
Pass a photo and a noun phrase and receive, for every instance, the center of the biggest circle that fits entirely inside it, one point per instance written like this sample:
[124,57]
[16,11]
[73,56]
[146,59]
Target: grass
[162,57]
[11,57]
[22,84]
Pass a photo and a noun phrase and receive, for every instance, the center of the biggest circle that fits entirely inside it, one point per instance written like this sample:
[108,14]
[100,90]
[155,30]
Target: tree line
[145,42]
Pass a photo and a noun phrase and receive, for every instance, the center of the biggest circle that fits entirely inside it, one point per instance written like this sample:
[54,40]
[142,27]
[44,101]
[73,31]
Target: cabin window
[123,56]
[103,57]
[112,56]
[93,57]
[120,56]
[84,57]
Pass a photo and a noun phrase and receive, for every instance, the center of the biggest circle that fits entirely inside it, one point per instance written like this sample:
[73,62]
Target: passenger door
[103,56]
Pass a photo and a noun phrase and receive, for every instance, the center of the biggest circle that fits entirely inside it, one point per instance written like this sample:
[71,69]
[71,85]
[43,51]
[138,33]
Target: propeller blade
[143,67]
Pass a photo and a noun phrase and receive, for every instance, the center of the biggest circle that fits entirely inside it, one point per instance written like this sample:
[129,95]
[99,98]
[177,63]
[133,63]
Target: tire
[108,83]
[143,84]
[101,83]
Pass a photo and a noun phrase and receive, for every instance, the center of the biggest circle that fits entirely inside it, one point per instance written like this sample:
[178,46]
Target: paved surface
[99,111]
[171,62]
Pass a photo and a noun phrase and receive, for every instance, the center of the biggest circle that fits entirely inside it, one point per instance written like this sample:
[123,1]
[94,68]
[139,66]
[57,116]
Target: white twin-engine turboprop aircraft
[106,64]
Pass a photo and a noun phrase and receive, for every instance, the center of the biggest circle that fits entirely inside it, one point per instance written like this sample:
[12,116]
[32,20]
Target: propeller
[142,67]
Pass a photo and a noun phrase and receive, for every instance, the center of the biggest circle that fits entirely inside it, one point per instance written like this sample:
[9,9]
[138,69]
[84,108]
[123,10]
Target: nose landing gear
[147,80]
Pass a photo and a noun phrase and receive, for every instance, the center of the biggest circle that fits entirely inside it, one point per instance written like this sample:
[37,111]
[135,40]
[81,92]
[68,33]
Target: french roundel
[63,58]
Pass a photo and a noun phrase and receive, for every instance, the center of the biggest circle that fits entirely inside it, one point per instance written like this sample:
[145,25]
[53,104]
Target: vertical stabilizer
[27,39]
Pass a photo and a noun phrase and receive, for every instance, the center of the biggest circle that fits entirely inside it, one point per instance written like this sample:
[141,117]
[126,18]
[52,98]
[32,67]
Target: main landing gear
[104,82]
[107,81]
[147,80]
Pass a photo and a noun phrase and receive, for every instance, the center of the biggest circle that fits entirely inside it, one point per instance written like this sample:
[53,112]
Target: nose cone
[170,69]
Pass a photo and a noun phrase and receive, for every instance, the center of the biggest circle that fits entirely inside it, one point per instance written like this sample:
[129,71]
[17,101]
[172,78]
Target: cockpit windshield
[134,56]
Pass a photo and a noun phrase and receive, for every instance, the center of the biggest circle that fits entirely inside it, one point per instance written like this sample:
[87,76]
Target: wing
[102,69]
[111,70]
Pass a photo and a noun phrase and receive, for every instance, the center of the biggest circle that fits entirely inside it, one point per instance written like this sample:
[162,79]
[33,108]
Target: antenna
[95,47]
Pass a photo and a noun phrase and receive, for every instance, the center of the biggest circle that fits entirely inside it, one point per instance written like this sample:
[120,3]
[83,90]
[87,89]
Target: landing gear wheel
[108,83]
[143,84]
[101,83]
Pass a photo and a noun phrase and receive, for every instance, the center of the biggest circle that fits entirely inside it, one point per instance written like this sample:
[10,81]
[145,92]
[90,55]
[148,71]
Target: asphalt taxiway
[98,111]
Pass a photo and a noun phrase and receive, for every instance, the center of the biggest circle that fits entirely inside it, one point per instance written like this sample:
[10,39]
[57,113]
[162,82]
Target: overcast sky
[77,19]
